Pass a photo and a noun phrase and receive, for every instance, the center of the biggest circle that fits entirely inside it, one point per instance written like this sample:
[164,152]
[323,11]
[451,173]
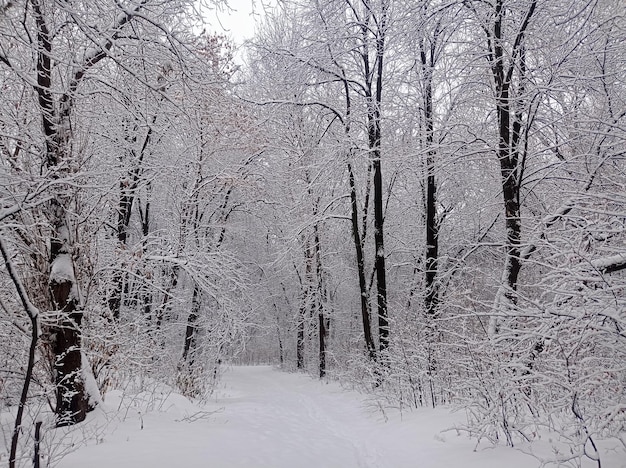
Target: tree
[56,65]
[350,59]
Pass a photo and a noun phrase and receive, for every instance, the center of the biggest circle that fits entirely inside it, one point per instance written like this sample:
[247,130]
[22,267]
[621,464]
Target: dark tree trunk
[509,132]
[300,333]
[305,305]
[356,234]
[508,70]
[322,299]
[65,336]
[374,136]
[145,230]
[381,272]
[431,297]
[360,261]
[36,454]
[189,347]
[71,402]
[167,297]
[281,351]
[56,110]
[322,333]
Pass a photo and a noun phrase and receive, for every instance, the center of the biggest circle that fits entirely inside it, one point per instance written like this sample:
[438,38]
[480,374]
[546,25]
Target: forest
[424,200]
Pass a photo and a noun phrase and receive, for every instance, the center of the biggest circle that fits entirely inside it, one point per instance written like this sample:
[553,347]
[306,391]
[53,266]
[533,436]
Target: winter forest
[423,201]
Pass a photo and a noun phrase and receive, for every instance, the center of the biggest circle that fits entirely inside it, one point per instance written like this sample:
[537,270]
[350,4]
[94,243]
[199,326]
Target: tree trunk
[374,135]
[300,333]
[167,297]
[71,402]
[322,334]
[322,319]
[189,346]
[360,262]
[55,111]
[431,297]
[510,157]
[305,305]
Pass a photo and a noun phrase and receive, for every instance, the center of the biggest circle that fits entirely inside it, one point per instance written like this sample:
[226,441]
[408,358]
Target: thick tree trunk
[381,271]
[65,336]
[431,296]
[56,109]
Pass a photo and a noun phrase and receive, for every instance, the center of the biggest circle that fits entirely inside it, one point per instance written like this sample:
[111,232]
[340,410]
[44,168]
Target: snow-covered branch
[29,308]
[611,263]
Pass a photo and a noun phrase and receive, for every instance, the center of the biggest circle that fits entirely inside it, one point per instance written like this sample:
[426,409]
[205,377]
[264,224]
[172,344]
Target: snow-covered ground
[261,417]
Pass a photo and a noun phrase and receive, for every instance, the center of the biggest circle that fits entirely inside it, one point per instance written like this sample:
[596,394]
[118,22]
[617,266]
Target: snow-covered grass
[262,417]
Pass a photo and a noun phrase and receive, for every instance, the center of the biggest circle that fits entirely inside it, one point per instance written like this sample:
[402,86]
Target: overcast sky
[238,21]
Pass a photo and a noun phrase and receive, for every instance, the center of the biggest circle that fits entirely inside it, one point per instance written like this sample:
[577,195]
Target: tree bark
[360,262]
[305,305]
[374,137]
[431,298]
[510,157]
[65,335]
[189,347]
[322,298]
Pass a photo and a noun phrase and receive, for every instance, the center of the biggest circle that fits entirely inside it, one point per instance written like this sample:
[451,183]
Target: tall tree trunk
[511,159]
[322,319]
[431,297]
[356,231]
[65,335]
[374,137]
[322,335]
[144,213]
[360,262]
[281,351]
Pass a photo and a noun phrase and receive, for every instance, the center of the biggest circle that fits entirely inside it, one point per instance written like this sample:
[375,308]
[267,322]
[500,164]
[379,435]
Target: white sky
[237,21]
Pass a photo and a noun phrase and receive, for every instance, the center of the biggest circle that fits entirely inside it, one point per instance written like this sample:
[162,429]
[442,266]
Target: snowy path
[271,419]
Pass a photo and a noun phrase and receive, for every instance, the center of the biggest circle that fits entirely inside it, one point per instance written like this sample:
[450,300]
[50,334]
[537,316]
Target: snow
[611,261]
[91,386]
[261,417]
[62,269]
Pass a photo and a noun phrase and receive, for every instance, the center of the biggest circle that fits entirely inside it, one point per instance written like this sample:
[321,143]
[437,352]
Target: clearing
[262,417]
